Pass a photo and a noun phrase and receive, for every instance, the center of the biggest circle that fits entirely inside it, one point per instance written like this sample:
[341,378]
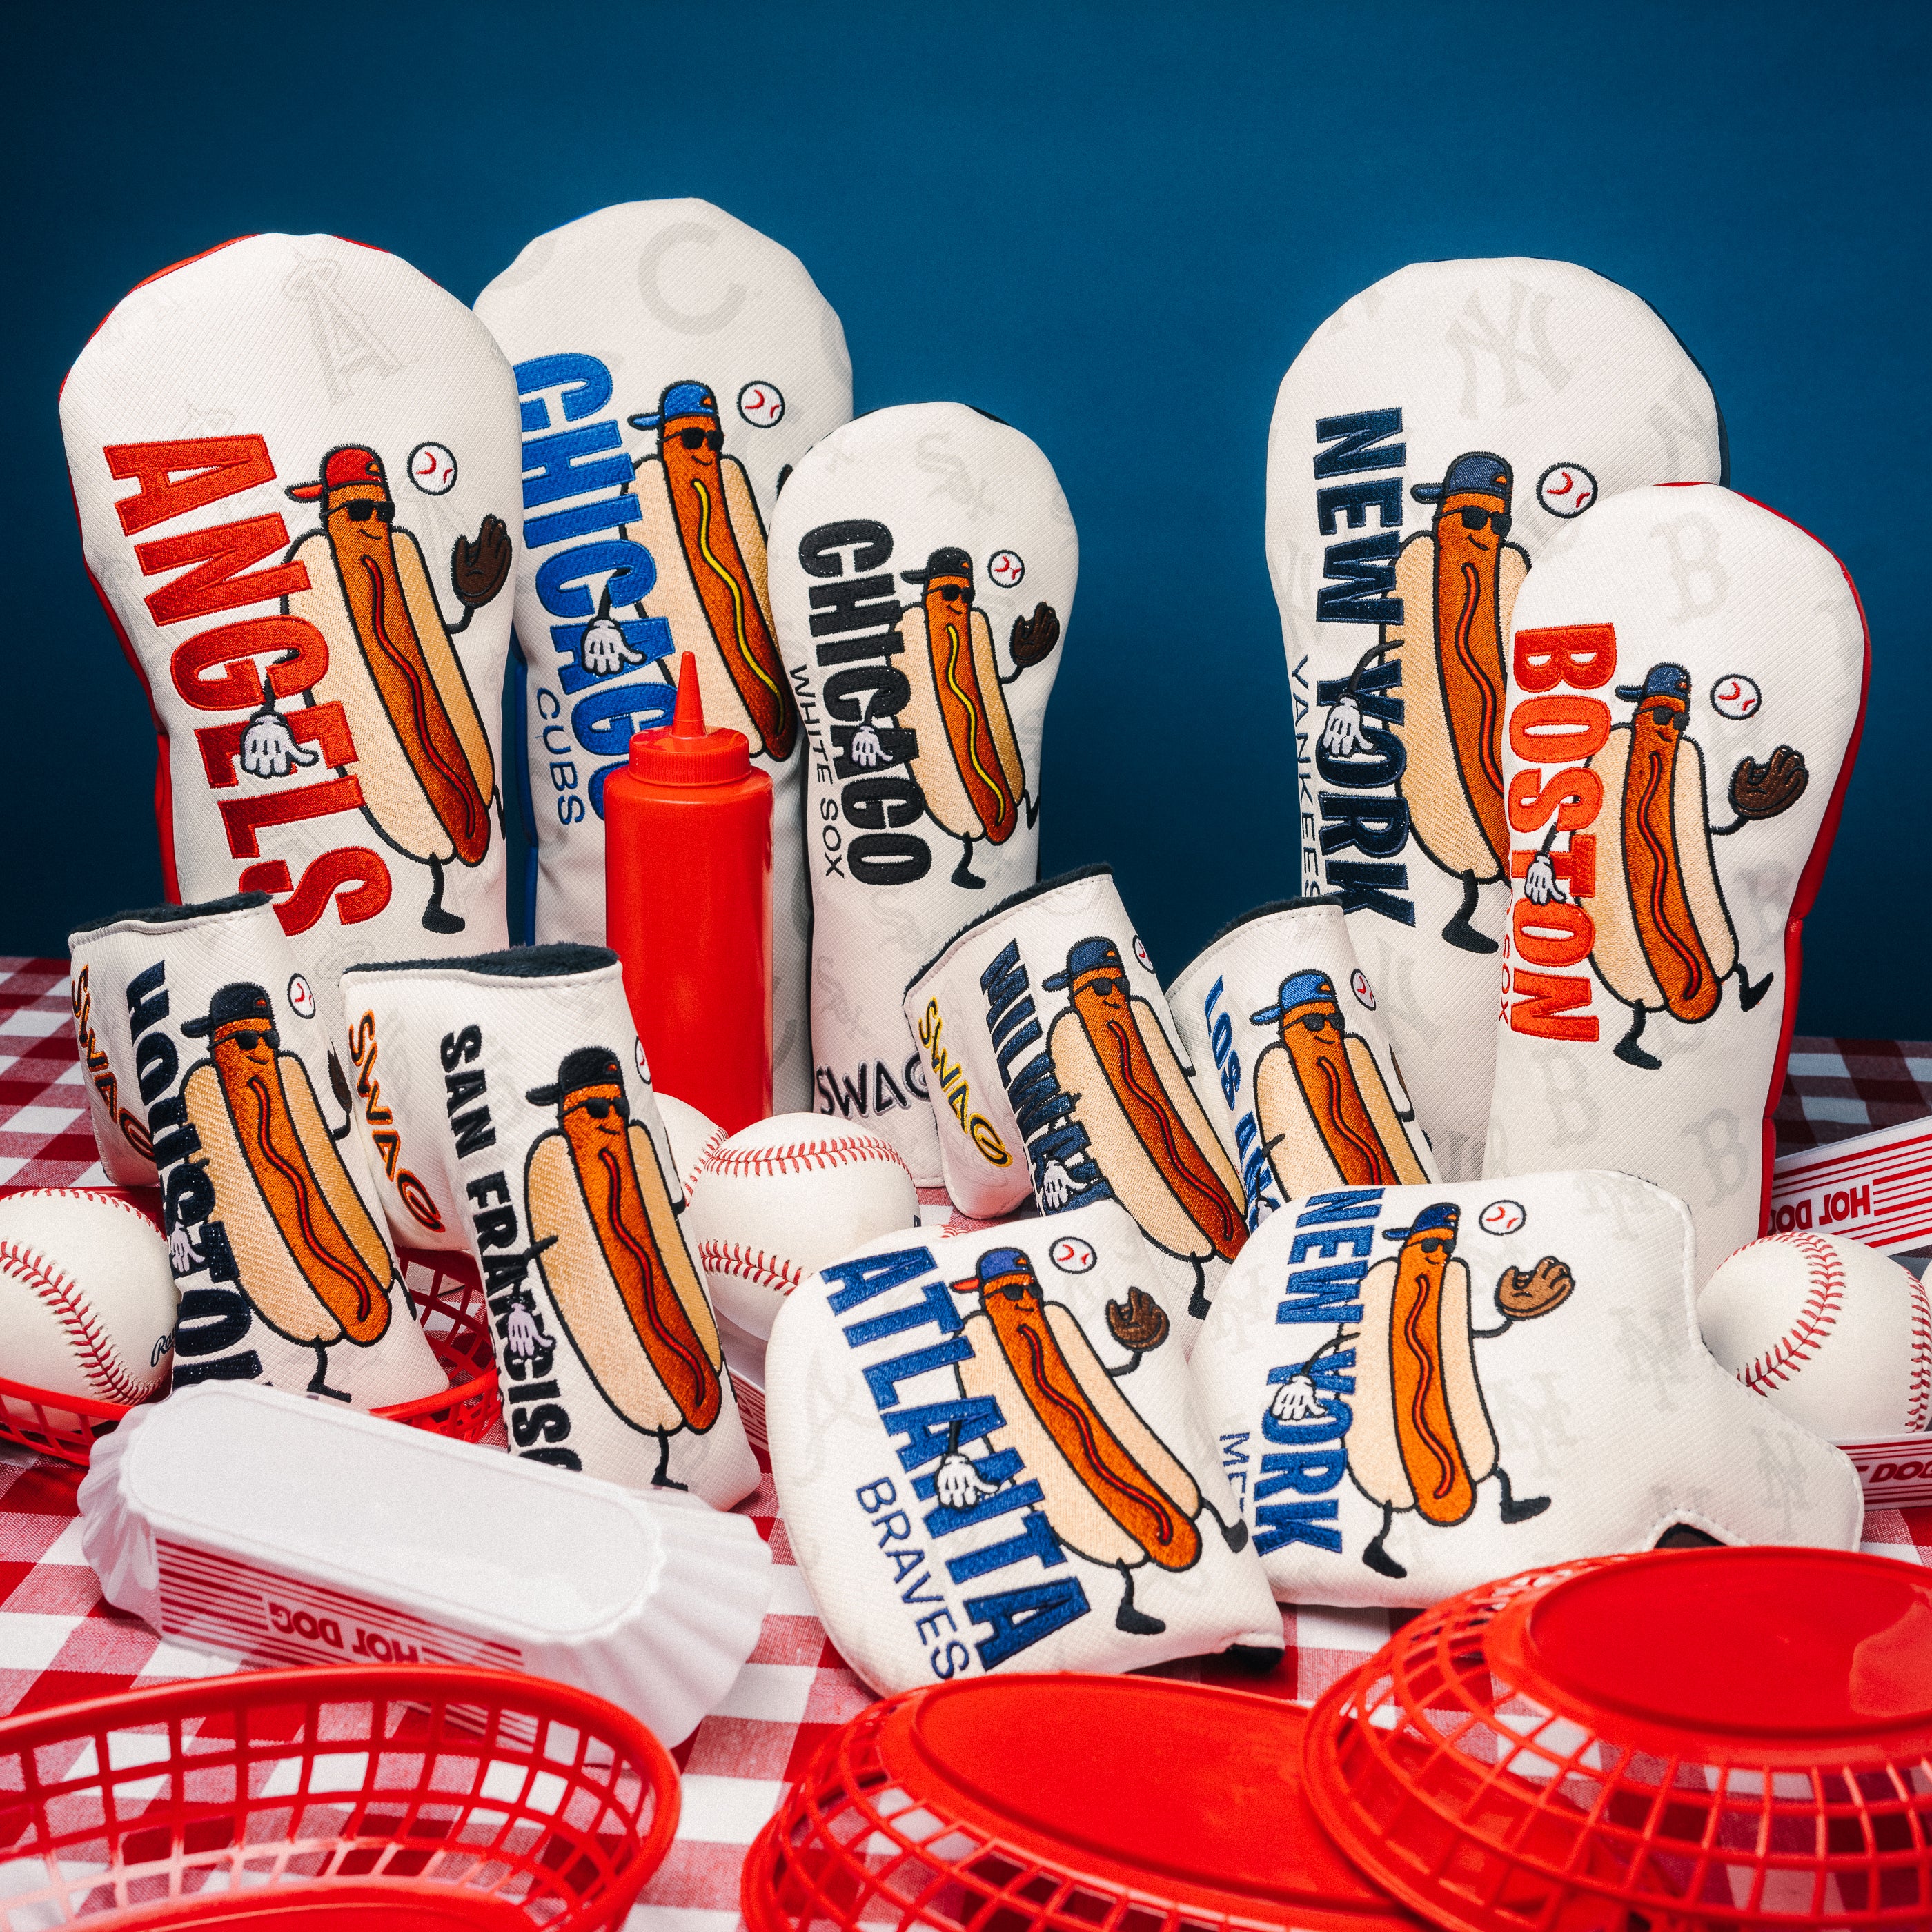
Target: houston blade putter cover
[923,564]
[1686,689]
[294,461]
[674,365]
[1440,437]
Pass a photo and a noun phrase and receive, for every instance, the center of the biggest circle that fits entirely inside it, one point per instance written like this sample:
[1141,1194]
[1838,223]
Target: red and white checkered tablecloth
[59,1642]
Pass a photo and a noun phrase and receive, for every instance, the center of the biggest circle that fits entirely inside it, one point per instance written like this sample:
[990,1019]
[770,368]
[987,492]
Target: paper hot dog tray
[244,1519]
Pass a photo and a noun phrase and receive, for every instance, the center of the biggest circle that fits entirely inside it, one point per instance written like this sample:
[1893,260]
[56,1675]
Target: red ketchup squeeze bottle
[688,909]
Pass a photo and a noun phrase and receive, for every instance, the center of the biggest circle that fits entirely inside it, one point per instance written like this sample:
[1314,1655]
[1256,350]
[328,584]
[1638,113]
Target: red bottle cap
[684,752]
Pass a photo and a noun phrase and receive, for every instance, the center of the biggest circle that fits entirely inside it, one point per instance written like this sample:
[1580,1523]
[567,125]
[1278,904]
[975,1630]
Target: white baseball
[87,1297]
[693,1136]
[783,1198]
[1836,1334]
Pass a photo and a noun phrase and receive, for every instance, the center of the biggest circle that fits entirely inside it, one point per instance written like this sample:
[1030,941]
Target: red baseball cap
[352,463]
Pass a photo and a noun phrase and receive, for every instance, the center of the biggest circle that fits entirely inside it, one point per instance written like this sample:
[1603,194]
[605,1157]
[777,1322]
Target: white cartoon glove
[1056,1187]
[182,1256]
[1540,884]
[1342,736]
[520,1334]
[958,1485]
[1296,1401]
[604,652]
[866,749]
[269,748]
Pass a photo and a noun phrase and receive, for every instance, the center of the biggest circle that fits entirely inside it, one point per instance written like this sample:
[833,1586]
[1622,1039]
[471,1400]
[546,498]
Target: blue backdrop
[1144,211]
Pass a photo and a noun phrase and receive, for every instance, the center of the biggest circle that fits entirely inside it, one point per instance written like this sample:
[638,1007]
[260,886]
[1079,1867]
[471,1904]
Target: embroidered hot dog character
[1325,1113]
[423,754]
[308,1253]
[614,1258]
[1435,680]
[1420,1437]
[1112,1491]
[1148,1134]
[1664,942]
[699,521]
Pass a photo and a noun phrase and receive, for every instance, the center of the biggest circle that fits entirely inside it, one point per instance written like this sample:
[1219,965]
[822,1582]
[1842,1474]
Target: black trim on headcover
[172,915]
[1007,904]
[515,962]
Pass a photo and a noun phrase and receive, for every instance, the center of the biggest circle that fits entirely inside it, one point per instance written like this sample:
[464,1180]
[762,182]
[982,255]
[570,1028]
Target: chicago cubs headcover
[674,365]
[989,1457]
[923,563]
[1676,746]
[1439,1385]
[1440,436]
[294,460]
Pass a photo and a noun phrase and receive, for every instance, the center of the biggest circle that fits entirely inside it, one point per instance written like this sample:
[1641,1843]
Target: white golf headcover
[294,460]
[518,1088]
[674,365]
[1439,438]
[1436,1386]
[211,1074]
[1292,1059]
[1687,685]
[989,1456]
[923,563]
[1046,1035]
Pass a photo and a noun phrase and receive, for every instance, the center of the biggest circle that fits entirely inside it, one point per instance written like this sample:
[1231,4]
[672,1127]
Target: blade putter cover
[211,1076]
[923,565]
[674,366]
[1440,436]
[1687,686]
[294,461]
[1292,1060]
[289,1532]
[514,1086]
[989,1456]
[1442,1385]
[1046,1039]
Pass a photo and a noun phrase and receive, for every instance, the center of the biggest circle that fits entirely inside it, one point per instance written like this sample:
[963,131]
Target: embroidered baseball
[87,1298]
[1833,1334]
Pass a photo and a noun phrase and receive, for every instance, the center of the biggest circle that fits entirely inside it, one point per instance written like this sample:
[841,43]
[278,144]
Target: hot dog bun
[968,761]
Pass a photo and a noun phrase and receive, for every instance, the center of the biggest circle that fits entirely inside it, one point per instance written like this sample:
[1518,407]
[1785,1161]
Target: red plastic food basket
[1680,1739]
[1079,1804]
[398,1798]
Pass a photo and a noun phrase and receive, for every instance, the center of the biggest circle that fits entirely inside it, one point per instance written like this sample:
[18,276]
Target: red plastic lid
[684,752]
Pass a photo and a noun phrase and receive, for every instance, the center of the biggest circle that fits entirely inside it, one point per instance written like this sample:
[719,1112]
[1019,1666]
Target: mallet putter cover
[1686,687]
[989,1456]
[1438,1385]
[674,365]
[513,1090]
[294,460]
[208,1058]
[923,563]
[291,1532]
[1438,439]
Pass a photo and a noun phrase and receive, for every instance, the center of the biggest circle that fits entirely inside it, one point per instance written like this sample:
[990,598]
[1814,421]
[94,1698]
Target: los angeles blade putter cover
[1434,1386]
[989,1456]
[1442,435]
[1050,1058]
[674,366]
[511,1090]
[923,564]
[211,1075]
[1687,686]
[294,460]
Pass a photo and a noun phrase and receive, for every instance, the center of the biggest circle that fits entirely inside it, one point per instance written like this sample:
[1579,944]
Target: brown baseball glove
[1034,637]
[1139,1323]
[477,570]
[1524,1297]
[1764,790]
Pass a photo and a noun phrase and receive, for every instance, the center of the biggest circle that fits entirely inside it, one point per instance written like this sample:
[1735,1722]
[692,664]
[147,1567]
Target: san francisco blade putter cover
[923,564]
[1418,1389]
[674,365]
[1687,682]
[1440,437]
[294,461]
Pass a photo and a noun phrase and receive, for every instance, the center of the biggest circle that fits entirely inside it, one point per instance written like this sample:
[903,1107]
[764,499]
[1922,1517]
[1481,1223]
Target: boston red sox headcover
[294,460]
[1676,746]
[1441,436]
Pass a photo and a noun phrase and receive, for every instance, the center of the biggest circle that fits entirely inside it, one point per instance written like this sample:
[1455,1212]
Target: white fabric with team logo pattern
[294,460]
[1677,744]
[989,1456]
[1442,435]
[1423,1388]
[923,565]
[636,332]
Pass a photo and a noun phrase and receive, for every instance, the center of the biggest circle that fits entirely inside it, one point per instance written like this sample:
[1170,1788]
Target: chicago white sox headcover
[674,365]
[1441,436]
[294,460]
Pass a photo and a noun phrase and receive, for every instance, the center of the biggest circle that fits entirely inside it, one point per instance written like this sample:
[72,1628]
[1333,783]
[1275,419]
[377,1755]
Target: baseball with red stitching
[87,1297]
[693,1138]
[785,1196]
[1835,1334]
